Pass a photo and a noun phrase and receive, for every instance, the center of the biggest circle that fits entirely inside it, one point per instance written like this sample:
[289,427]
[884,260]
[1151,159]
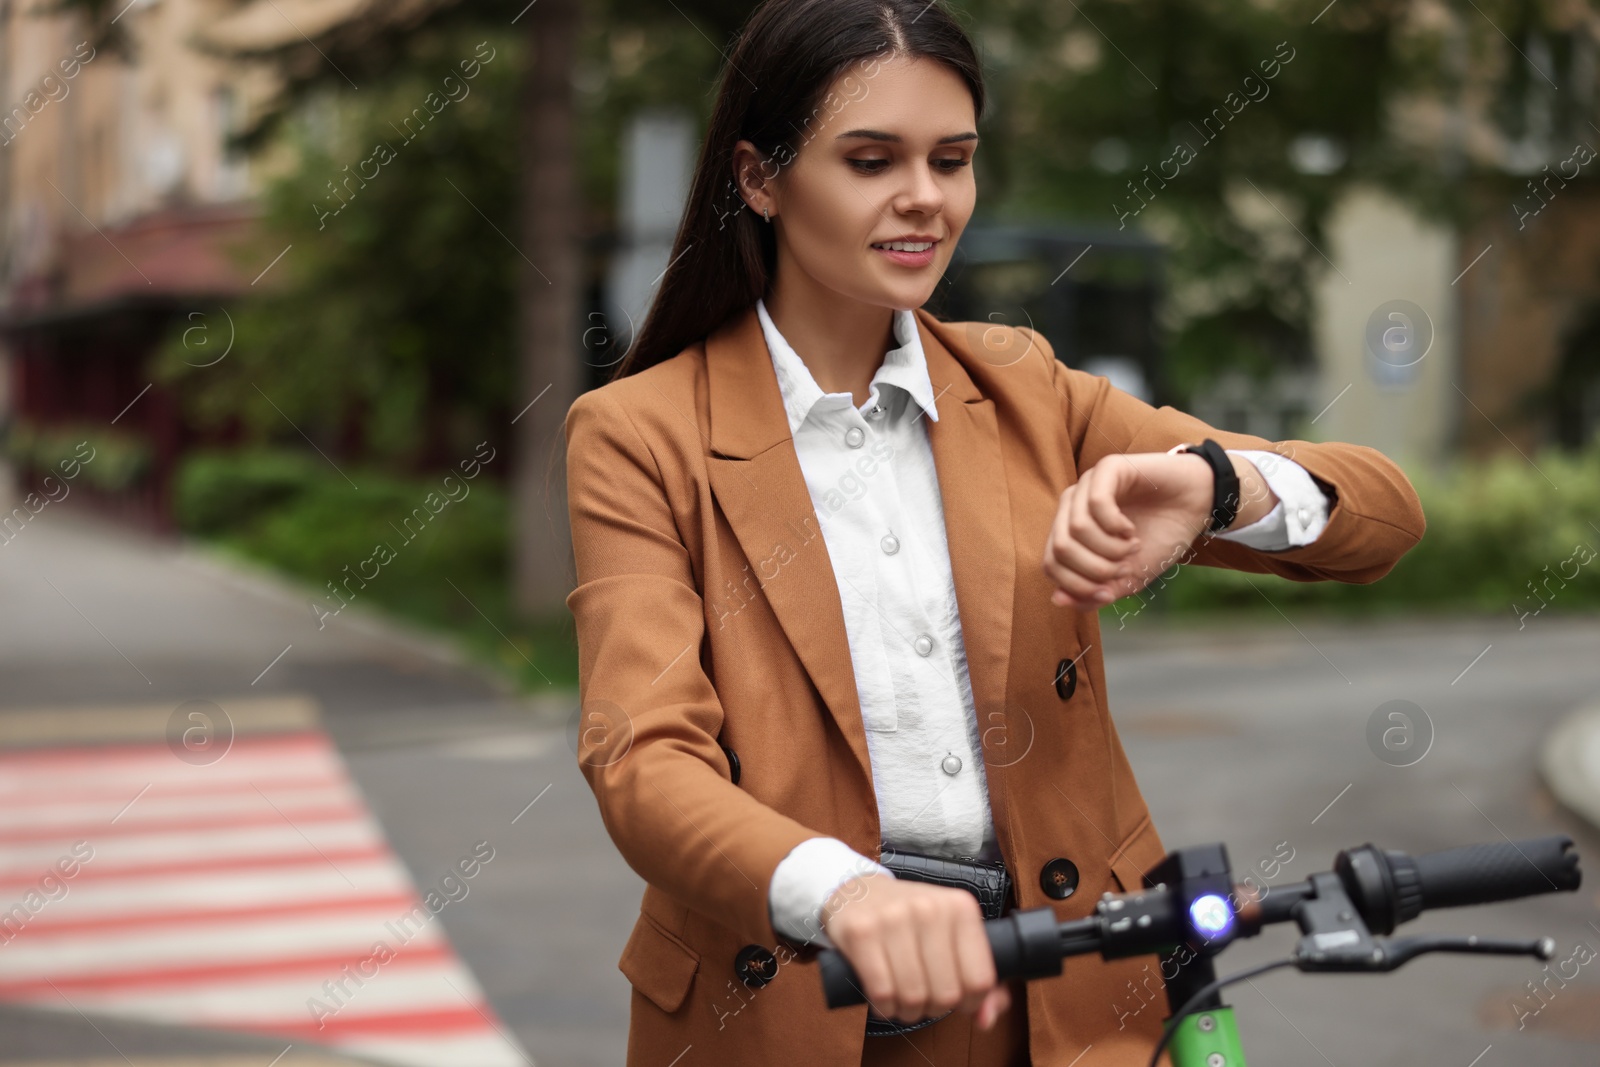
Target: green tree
[1139,113]
[387,334]
[445,296]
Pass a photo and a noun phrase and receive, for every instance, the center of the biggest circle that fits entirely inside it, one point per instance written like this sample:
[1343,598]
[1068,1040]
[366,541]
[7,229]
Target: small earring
[765,215]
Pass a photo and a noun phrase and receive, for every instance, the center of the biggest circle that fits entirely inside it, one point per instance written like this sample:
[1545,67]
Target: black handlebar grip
[840,986]
[1482,874]
[1026,944]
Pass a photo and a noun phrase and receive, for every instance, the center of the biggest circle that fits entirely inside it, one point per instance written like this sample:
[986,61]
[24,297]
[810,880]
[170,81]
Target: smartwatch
[1225,483]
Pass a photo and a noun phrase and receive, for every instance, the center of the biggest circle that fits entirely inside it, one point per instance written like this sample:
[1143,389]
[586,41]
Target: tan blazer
[710,631]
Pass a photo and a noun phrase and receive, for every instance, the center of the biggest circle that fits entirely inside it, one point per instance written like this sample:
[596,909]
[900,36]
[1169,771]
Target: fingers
[919,951]
[1089,540]
[974,959]
[869,957]
[1113,528]
[851,925]
[902,943]
[997,1001]
[939,923]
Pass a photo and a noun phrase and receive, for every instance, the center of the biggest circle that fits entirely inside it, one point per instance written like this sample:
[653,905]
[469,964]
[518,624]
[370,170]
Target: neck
[842,342]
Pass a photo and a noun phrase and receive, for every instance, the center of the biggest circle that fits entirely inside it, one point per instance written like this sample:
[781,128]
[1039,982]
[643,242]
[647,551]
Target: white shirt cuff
[1300,514]
[806,878]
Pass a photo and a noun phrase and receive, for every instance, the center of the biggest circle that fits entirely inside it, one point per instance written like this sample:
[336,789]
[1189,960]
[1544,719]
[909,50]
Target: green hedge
[112,460]
[378,540]
[1497,532]
[220,491]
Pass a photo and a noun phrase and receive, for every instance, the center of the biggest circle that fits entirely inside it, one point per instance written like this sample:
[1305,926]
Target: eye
[875,166]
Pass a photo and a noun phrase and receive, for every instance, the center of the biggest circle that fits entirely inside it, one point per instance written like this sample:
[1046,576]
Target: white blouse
[873,484]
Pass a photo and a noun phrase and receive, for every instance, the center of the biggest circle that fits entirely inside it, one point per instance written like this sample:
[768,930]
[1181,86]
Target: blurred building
[124,211]
[1094,293]
[123,208]
[1435,342]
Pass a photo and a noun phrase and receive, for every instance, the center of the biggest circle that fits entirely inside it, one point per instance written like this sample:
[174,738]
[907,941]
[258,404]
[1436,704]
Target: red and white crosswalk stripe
[256,893]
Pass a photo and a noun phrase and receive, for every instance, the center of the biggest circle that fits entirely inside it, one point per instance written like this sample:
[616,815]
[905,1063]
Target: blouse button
[890,544]
[923,644]
[951,763]
[854,436]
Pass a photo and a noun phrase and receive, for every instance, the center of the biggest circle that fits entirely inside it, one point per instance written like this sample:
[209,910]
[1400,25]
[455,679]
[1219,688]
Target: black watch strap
[1225,484]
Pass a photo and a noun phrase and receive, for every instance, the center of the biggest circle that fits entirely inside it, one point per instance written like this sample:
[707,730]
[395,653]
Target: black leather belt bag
[989,882]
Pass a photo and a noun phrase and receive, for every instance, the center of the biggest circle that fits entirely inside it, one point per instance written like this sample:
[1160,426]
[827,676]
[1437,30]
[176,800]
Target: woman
[838,564]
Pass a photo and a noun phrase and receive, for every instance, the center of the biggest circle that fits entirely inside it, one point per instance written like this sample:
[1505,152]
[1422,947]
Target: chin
[914,292]
[908,293]
[916,299]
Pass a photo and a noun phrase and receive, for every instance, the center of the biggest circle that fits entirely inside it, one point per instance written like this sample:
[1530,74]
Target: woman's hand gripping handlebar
[1368,892]
[917,950]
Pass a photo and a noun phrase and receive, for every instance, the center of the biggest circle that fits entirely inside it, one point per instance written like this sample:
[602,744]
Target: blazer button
[1066,678]
[1059,878]
[755,966]
[733,762]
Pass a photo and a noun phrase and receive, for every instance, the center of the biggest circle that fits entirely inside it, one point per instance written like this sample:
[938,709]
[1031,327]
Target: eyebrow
[879,135]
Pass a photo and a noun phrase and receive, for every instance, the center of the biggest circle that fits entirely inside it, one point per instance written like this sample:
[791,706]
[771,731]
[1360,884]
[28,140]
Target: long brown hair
[787,55]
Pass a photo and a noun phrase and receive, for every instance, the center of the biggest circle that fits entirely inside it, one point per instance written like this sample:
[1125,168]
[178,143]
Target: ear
[756,177]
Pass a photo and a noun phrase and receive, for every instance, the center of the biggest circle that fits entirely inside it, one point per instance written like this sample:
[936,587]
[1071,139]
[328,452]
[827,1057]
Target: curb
[1570,763]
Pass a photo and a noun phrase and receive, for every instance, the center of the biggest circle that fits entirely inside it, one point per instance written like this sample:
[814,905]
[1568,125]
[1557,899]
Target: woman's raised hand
[918,950]
[1130,517]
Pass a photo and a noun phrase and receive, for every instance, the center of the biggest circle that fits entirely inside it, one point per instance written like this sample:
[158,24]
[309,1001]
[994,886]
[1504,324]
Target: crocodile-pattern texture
[989,882]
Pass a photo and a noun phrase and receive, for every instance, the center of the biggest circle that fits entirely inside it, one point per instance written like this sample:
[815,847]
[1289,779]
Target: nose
[924,196]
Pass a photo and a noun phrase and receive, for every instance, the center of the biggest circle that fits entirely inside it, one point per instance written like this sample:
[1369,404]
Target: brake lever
[1390,954]
[1400,950]
[1335,938]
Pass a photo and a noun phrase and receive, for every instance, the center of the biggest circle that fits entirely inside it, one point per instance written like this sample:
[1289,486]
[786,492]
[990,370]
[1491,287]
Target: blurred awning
[174,254]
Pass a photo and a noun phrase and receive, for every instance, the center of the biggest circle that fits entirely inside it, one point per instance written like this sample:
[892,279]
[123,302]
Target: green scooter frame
[1207,1038]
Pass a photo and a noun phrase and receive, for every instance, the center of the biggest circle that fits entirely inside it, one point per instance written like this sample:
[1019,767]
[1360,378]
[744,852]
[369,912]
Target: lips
[904,258]
[913,239]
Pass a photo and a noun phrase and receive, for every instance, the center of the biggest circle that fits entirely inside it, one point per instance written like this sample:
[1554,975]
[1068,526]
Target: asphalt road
[1252,734]
[1259,738]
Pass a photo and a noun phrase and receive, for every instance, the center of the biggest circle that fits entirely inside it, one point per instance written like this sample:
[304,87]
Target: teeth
[906,246]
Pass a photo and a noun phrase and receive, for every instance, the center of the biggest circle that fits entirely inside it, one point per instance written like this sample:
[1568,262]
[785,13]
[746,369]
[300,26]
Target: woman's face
[888,156]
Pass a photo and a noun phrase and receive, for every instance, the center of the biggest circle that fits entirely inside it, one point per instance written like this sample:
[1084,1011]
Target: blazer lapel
[756,479]
[977,522]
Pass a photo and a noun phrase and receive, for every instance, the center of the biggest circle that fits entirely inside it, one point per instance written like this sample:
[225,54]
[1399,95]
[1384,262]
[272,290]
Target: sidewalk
[178,721]
[36,1038]
[1266,725]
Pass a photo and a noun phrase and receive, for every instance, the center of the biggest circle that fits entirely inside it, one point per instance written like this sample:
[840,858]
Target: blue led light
[1211,915]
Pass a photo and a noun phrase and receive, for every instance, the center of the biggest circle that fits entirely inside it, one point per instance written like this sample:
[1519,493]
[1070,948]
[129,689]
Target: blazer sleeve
[650,716]
[1374,515]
